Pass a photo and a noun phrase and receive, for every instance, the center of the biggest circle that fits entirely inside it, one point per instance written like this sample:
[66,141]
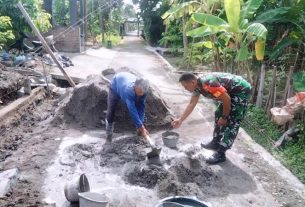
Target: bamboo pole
[270,102]
[255,89]
[288,85]
[259,99]
[44,43]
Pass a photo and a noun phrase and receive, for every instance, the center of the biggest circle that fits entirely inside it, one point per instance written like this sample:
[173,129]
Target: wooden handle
[150,141]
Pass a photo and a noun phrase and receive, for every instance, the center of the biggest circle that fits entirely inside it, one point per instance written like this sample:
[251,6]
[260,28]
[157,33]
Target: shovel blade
[155,152]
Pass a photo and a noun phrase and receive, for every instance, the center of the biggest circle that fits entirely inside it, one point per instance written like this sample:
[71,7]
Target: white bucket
[75,186]
[91,199]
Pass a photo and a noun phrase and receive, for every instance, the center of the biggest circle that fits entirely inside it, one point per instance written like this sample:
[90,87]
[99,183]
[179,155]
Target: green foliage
[265,132]
[173,36]
[103,19]
[33,7]
[129,11]
[42,21]
[283,19]
[61,12]
[115,39]
[299,81]
[260,128]
[151,11]
[6,32]
[239,31]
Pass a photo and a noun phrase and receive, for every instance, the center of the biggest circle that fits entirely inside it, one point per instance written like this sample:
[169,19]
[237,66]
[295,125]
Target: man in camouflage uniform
[233,93]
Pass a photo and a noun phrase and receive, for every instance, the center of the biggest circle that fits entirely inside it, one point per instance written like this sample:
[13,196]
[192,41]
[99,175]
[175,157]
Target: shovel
[153,155]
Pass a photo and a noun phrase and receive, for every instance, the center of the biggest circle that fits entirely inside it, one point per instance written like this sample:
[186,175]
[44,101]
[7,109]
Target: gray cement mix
[86,107]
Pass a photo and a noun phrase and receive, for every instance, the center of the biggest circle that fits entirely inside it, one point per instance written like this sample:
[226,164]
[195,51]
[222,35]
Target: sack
[296,103]
[280,115]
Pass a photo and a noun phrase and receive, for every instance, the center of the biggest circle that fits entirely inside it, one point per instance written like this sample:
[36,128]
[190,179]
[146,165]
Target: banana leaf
[232,8]
[250,8]
[180,8]
[200,32]
[299,81]
[258,30]
[273,15]
[207,44]
[209,20]
[243,53]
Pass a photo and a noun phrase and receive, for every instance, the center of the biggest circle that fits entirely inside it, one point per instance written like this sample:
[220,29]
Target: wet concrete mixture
[60,138]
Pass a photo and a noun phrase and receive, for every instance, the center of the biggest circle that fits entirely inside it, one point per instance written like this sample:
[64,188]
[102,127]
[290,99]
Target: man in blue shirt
[132,91]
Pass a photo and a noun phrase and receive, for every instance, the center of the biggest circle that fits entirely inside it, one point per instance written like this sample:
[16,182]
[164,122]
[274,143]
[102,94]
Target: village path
[252,177]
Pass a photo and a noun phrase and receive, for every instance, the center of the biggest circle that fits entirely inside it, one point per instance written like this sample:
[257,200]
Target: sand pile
[87,105]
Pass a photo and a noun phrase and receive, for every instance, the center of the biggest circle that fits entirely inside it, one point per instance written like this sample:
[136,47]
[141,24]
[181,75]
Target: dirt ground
[59,139]
[10,83]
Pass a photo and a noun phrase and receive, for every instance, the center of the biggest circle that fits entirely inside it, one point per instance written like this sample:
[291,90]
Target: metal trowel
[153,156]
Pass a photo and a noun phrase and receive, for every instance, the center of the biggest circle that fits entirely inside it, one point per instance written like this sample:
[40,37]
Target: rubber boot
[212,145]
[216,158]
[109,131]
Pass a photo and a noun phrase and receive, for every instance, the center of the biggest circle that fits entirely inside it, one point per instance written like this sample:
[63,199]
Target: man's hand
[142,131]
[176,123]
[222,122]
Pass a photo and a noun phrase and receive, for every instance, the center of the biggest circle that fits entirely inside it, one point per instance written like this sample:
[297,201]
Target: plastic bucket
[75,186]
[179,201]
[108,73]
[90,199]
[170,139]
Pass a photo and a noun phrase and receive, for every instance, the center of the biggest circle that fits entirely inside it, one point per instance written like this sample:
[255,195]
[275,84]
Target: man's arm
[226,100]
[134,113]
[190,107]
[141,108]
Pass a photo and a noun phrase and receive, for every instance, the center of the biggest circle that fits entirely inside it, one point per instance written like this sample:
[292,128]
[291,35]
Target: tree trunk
[218,59]
[102,25]
[288,85]
[259,99]
[225,61]
[255,89]
[303,58]
[271,99]
[185,42]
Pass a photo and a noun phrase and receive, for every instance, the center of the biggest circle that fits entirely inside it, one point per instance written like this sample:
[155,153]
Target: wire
[106,6]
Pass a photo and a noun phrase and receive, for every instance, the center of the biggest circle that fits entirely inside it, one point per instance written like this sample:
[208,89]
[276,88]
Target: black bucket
[182,201]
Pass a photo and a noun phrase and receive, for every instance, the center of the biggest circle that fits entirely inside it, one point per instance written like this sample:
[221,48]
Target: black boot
[212,145]
[217,157]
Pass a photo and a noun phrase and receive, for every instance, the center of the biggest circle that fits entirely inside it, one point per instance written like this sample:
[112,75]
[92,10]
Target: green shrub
[6,32]
[115,39]
[265,133]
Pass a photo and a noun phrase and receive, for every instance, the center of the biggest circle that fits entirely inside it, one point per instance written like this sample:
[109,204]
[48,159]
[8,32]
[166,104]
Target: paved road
[252,177]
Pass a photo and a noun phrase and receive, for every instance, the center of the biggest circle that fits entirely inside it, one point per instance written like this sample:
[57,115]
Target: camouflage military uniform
[214,85]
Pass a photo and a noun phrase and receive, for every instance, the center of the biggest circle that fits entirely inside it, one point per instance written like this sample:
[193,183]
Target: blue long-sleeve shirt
[123,85]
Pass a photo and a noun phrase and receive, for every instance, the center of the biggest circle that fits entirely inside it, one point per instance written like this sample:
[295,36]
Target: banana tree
[290,17]
[236,30]
[182,11]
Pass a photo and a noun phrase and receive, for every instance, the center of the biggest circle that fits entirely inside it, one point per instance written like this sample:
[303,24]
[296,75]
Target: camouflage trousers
[225,135]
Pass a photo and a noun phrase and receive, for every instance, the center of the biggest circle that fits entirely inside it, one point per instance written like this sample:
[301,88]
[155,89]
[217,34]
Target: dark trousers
[225,135]
[112,101]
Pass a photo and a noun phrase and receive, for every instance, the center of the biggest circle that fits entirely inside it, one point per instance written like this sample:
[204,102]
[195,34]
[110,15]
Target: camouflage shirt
[215,84]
